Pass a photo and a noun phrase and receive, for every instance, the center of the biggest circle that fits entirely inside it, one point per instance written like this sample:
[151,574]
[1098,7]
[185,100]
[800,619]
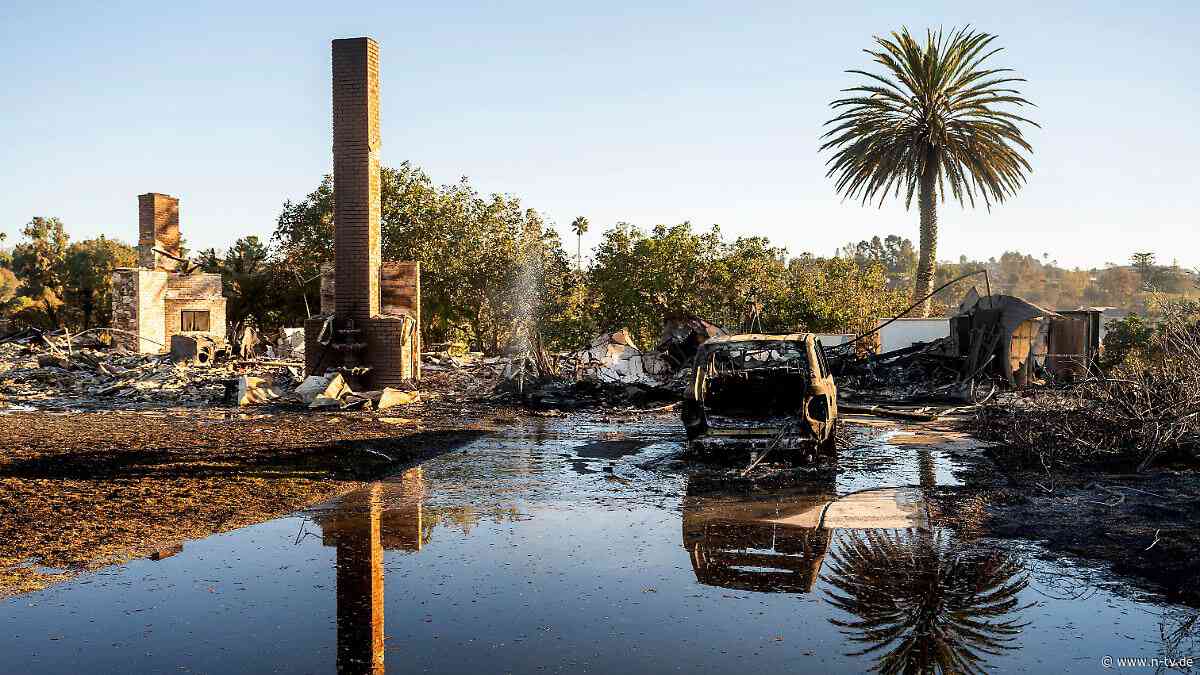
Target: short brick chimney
[158,228]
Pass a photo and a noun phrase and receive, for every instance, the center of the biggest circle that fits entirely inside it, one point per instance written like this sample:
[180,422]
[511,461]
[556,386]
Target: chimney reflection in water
[358,528]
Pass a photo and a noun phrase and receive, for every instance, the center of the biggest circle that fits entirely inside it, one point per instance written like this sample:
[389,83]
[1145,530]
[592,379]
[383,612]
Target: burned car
[761,391]
[776,541]
[769,543]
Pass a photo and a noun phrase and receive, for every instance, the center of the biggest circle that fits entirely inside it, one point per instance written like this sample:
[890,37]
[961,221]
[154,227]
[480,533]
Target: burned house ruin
[163,297]
[1022,342]
[370,332]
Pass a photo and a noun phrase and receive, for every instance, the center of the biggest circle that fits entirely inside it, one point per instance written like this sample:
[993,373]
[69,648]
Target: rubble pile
[563,394]
[682,336]
[1094,422]
[89,372]
[457,376]
[59,371]
[331,391]
[289,344]
[613,358]
[1140,412]
[612,370]
[1131,421]
[925,372]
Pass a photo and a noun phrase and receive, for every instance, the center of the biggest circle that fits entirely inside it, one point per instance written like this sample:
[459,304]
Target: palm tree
[580,227]
[927,126]
[924,603]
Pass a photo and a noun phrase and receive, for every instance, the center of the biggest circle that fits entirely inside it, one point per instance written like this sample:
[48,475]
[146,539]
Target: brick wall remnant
[194,292]
[400,295]
[138,298]
[125,308]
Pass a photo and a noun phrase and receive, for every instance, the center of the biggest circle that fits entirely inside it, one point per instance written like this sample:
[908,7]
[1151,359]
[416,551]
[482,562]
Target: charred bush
[1144,409]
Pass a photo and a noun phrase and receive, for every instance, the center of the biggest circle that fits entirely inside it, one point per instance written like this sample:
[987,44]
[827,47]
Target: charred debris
[1027,377]
[992,344]
[769,387]
[92,370]
[1030,381]
[610,370]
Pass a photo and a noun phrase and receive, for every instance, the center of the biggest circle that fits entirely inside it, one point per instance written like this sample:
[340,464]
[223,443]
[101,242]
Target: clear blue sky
[704,111]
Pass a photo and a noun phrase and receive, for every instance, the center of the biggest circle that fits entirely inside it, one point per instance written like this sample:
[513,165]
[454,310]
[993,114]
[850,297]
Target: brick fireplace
[159,298]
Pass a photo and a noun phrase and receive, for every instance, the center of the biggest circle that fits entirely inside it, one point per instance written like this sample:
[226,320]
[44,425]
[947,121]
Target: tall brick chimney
[158,228]
[373,336]
[356,176]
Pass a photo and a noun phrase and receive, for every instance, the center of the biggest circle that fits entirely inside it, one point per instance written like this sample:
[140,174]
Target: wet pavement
[584,545]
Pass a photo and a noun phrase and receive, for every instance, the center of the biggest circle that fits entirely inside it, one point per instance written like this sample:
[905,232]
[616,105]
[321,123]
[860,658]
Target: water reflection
[924,602]
[917,600]
[777,541]
[920,600]
[737,541]
[360,526]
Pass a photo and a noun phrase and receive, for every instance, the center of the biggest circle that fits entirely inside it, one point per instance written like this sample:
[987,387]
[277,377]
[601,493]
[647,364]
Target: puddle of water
[891,458]
[505,557]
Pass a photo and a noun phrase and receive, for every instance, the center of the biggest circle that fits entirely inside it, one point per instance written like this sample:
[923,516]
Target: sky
[648,113]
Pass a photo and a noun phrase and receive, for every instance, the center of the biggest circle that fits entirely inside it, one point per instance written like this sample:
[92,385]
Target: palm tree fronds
[935,110]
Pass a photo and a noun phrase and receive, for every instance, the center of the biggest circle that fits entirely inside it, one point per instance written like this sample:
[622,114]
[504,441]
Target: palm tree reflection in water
[924,602]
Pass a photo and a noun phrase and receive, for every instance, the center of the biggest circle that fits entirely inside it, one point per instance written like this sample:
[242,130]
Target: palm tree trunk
[926,470]
[927,259]
[579,251]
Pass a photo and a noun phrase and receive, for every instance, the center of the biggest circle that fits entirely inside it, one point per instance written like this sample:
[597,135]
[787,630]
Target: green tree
[1143,263]
[1124,340]
[39,261]
[838,295]
[88,277]
[580,227]
[1117,286]
[930,125]
[469,247]
[248,280]
[9,285]
[640,277]
[746,287]
[895,253]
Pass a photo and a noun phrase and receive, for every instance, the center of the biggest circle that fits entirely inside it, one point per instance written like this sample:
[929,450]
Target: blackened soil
[1145,526]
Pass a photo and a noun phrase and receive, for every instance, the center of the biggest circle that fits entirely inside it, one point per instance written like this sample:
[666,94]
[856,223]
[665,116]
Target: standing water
[577,547]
